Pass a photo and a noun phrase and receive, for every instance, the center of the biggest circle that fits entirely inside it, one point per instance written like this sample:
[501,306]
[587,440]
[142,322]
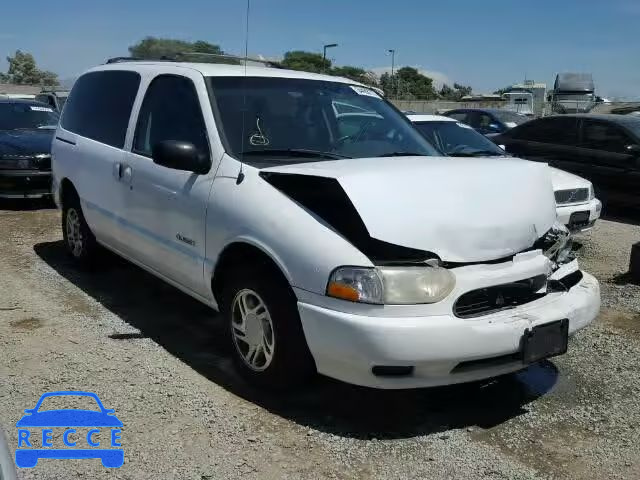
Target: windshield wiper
[476,153]
[401,154]
[295,152]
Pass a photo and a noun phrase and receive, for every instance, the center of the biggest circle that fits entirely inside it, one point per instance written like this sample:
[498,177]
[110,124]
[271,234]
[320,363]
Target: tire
[79,241]
[283,360]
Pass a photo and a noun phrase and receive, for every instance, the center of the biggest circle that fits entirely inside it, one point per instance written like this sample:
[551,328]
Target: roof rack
[181,57]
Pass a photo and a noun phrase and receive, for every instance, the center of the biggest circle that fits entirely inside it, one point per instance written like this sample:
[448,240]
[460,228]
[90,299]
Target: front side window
[605,136]
[26,116]
[100,104]
[458,140]
[293,120]
[554,130]
[170,111]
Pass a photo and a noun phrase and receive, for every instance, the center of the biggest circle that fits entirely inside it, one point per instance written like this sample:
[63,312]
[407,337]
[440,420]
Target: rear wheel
[80,242]
[268,345]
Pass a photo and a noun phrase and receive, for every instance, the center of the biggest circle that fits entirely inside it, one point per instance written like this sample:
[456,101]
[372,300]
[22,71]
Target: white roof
[223,70]
[429,118]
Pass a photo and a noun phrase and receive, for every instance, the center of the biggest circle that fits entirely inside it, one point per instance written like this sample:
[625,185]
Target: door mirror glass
[180,156]
[633,150]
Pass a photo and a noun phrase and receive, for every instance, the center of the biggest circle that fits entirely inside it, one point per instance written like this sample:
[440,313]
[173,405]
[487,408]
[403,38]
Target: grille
[29,161]
[488,300]
[573,195]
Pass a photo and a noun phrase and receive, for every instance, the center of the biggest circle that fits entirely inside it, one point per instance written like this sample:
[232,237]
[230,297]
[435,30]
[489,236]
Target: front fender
[305,248]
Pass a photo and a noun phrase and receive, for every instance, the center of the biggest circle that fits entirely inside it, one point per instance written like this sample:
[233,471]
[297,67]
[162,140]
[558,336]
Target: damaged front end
[403,275]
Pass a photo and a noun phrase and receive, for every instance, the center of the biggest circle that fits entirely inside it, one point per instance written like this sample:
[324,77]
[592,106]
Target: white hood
[467,210]
[565,181]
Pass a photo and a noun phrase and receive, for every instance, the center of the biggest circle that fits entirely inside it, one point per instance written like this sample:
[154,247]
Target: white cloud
[438,78]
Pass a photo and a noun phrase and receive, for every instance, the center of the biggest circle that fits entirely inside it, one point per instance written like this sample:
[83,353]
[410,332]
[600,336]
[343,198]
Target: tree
[24,71]
[408,84]
[355,73]
[456,93]
[156,48]
[306,61]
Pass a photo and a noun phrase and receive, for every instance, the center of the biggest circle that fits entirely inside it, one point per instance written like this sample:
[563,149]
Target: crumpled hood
[25,142]
[467,210]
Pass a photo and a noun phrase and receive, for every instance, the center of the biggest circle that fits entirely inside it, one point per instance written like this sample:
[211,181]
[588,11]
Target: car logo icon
[27,456]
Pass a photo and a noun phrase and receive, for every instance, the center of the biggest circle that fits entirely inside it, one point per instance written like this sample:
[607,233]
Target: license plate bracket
[545,341]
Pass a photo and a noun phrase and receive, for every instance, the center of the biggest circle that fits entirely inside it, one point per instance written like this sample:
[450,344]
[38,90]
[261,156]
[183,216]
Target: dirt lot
[155,356]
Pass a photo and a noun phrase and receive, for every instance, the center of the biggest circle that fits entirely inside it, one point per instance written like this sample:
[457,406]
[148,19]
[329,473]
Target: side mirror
[633,150]
[180,156]
[494,127]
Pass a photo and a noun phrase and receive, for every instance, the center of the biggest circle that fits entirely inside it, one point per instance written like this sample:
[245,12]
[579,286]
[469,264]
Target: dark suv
[602,148]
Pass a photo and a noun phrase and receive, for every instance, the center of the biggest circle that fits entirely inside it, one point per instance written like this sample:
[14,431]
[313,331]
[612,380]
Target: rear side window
[460,116]
[100,105]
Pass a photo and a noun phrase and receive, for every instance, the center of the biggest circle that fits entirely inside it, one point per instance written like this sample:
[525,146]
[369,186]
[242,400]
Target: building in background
[538,93]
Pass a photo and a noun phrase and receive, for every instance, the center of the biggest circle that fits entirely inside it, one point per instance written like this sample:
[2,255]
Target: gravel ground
[155,356]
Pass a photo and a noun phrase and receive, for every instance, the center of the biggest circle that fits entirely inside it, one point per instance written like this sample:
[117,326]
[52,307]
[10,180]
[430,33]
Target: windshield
[575,97]
[506,116]
[458,139]
[14,116]
[294,120]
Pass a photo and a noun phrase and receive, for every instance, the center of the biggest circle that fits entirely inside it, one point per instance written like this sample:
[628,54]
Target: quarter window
[100,104]
[170,111]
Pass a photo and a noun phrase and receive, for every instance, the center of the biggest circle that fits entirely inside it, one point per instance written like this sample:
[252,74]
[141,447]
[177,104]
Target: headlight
[592,193]
[356,284]
[391,285]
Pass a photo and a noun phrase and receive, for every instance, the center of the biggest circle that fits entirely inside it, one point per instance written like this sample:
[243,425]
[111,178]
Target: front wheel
[268,345]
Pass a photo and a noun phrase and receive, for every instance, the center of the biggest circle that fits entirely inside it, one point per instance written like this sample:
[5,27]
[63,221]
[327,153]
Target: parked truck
[573,93]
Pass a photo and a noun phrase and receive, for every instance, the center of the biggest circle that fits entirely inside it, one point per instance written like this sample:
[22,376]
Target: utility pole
[324,54]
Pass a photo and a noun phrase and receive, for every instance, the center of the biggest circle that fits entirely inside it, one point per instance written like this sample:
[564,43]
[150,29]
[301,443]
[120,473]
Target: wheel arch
[245,252]
[67,191]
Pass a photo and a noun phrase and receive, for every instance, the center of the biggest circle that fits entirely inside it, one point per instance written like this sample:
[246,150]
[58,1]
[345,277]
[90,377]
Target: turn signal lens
[356,284]
[345,292]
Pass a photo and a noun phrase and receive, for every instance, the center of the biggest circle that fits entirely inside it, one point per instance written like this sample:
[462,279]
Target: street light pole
[393,60]
[324,54]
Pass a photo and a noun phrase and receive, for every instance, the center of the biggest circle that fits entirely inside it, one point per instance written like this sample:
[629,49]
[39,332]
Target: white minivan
[350,249]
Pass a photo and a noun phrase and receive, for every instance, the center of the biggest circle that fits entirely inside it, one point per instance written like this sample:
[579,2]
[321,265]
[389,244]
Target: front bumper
[572,215]
[25,183]
[442,349]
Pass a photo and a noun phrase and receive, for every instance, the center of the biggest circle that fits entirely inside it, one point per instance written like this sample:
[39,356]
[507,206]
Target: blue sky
[486,44]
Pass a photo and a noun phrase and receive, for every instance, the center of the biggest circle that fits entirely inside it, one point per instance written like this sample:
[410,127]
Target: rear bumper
[566,215]
[25,183]
[442,349]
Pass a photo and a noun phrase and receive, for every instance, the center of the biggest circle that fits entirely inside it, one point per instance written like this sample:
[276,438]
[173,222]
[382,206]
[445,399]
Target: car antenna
[244,95]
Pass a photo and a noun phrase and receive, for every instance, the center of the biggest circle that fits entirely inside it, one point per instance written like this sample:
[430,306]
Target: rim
[252,330]
[74,235]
